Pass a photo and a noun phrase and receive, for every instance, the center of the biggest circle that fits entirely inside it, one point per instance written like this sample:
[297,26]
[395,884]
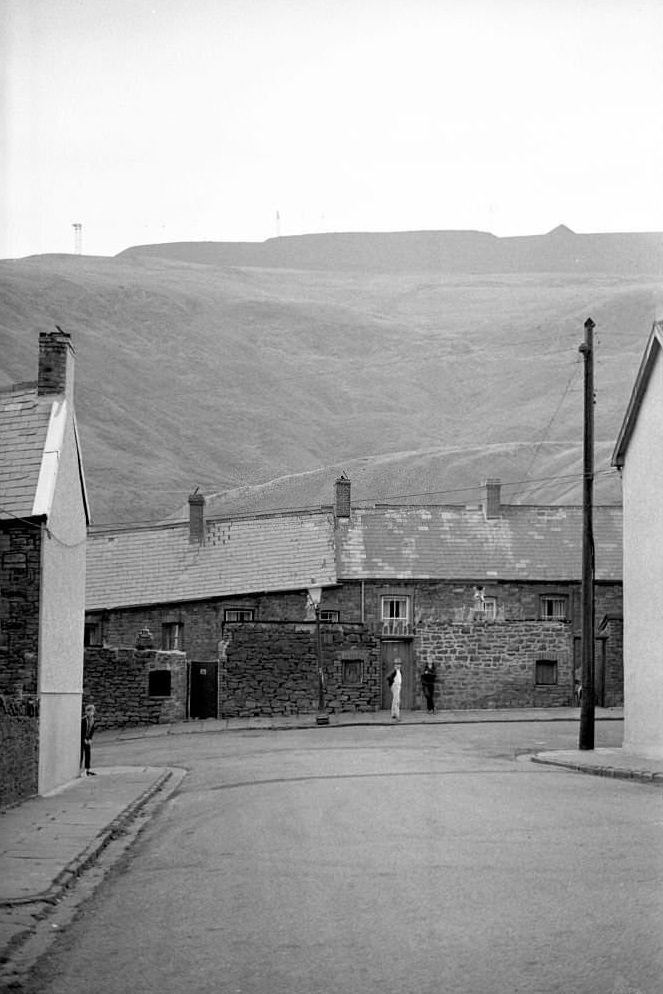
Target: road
[422,858]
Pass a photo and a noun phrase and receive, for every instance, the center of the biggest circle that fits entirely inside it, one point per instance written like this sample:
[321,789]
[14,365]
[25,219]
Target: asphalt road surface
[423,858]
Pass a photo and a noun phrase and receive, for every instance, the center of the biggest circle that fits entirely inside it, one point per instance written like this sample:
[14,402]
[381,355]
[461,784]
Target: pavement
[47,843]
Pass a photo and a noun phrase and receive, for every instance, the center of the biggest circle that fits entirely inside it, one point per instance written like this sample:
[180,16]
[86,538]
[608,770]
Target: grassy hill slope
[227,377]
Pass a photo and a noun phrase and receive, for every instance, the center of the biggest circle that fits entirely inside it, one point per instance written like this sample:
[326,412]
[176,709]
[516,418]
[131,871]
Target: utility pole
[586,740]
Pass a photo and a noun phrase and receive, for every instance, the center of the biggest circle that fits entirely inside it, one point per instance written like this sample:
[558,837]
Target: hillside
[227,376]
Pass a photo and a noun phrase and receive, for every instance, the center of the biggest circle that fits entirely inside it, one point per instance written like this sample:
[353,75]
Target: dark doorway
[204,692]
[398,650]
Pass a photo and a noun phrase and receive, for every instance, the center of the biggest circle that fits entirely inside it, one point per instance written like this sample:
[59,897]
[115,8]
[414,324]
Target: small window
[172,636]
[331,617]
[395,608]
[487,607]
[395,615]
[92,633]
[352,672]
[553,608]
[158,683]
[238,614]
[546,672]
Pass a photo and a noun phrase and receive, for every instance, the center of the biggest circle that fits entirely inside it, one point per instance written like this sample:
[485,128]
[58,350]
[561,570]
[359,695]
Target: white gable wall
[61,623]
[643,575]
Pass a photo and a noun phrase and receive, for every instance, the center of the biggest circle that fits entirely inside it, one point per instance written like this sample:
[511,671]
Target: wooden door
[204,690]
[398,651]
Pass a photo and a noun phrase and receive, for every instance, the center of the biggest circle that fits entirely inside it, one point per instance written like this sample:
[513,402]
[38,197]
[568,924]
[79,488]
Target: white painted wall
[62,622]
[643,576]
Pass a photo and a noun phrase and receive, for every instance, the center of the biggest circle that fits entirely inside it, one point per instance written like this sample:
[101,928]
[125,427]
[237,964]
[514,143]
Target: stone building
[198,586]
[43,519]
[490,593]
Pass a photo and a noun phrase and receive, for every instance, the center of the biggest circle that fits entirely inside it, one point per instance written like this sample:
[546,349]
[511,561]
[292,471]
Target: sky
[239,120]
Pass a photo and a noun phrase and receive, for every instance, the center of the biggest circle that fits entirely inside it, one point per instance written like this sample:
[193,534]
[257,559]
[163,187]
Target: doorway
[398,651]
[204,690]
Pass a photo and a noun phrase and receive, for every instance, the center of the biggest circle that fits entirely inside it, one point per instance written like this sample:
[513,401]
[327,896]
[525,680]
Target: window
[395,608]
[553,608]
[238,614]
[546,672]
[351,672]
[92,634]
[172,636]
[487,608]
[395,615]
[158,683]
[331,617]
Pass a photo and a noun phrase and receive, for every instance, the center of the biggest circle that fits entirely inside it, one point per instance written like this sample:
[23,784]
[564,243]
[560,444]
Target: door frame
[195,666]
[390,650]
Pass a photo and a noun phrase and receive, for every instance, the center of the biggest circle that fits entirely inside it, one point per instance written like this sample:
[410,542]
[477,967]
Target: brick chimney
[56,364]
[196,517]
[493,498]
[342,497]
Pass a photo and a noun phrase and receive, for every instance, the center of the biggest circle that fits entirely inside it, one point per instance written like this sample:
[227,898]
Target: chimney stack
[342,497]
[56,364]
[493,498]
[196,517]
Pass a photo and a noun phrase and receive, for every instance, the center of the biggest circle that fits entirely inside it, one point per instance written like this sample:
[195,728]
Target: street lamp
[315,596]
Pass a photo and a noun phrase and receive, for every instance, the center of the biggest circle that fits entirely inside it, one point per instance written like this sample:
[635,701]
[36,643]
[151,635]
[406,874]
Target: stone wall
[272,668]
[117,682]
[202,621]
[19,752]
[20,570]
[440,607]
[432,600]
[611,644]
[493,664]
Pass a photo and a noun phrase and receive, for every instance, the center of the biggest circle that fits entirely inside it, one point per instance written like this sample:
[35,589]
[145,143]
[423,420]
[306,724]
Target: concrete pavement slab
[615,763]
[45,840]
[46,843]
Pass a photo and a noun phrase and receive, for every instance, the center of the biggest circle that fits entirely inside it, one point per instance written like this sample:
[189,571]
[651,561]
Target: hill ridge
[453,251]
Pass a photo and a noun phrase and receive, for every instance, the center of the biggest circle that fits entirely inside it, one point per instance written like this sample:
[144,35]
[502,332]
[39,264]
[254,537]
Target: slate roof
[291,551]
[24,421]
[159,565]
[458,543]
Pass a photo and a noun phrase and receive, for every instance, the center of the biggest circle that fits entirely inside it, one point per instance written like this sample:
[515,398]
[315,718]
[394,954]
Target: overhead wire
[554,415]
[51,534]
[373,501]
[388,497]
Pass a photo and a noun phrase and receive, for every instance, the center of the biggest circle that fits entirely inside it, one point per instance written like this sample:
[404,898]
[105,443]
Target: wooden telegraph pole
[586,740]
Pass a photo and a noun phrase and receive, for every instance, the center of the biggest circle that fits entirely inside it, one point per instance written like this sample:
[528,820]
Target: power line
[383,499]
[51,534]
[555,413]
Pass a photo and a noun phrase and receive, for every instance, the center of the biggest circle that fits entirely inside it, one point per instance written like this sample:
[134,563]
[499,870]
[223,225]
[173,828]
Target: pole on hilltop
[586,740]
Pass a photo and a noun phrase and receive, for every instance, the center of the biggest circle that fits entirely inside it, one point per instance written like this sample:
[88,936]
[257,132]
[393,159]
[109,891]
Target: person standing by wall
[428,686]
[395,680]
[87,731]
